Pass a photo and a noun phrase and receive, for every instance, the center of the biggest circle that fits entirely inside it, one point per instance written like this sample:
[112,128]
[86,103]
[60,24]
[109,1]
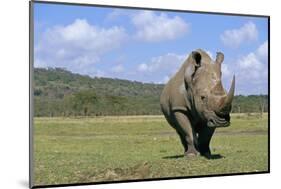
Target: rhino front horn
[226,105]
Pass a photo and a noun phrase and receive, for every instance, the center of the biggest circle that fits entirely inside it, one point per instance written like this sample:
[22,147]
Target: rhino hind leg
[186,133]
[205,135]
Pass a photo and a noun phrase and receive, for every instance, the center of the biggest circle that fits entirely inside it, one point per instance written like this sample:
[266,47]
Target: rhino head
[209,99]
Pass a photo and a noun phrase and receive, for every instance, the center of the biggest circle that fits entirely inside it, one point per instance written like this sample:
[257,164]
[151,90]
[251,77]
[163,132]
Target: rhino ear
[191,68]
[196,56]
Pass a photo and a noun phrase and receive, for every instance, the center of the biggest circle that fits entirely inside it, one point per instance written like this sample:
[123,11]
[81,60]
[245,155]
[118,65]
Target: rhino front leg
[182,138]
[204,139]
[187,134]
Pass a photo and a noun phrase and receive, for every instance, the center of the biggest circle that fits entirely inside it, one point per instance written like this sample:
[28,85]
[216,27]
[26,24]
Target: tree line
[58,92]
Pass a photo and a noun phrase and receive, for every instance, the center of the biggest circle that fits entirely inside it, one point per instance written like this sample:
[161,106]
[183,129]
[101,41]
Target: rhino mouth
[218,120]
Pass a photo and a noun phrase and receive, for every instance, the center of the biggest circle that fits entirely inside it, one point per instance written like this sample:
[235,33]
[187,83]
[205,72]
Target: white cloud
[77,46]
[154,27]
[262,51]
[250,62]
[235,37]
[142,67]
[160,69]
[169,61]
[118,69]
[252,71]
[255,62]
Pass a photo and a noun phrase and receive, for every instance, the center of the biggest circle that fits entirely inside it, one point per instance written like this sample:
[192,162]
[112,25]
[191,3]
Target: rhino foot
[191,153]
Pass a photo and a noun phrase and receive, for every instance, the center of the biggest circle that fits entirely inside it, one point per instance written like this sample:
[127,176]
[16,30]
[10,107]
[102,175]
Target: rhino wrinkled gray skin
[194,102]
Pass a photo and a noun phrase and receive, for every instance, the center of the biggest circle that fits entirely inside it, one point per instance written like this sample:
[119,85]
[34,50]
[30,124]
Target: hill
[58,92]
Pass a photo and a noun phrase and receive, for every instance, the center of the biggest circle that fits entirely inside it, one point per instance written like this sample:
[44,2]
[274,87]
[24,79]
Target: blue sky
[149,46]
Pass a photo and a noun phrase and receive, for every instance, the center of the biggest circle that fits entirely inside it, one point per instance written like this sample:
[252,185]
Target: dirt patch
[140,171]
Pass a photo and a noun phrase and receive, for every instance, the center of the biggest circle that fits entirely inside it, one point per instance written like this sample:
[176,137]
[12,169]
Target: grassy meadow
[94,149]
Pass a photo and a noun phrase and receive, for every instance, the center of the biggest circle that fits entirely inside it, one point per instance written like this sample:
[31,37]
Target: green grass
[71,150]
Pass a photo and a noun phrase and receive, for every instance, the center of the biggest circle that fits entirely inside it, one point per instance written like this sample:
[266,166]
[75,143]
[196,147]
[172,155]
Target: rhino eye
[203,98]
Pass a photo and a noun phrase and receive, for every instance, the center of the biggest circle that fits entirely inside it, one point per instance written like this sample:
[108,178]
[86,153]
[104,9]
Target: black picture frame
[31,96]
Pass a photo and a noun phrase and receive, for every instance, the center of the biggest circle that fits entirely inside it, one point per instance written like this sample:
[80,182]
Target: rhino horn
[220,57]
[225,106]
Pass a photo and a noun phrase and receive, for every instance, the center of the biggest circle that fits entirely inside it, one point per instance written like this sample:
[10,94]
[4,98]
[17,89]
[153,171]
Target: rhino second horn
[220,57]
[226,105]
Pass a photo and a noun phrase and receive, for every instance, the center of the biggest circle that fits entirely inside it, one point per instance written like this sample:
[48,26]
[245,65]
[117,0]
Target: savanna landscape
[82,134]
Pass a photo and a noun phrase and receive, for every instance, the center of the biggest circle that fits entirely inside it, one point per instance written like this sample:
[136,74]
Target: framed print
[122,94]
